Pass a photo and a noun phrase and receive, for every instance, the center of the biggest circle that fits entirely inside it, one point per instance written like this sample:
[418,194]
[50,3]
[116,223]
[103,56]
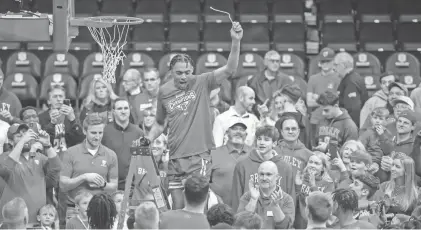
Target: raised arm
[232,64]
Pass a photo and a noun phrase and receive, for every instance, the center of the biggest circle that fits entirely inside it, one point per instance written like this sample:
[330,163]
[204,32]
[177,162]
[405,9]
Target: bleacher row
[30,79]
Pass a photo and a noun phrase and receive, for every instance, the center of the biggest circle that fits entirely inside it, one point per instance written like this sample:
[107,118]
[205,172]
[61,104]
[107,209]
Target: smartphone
[34,127]
[67,102]
[333,150]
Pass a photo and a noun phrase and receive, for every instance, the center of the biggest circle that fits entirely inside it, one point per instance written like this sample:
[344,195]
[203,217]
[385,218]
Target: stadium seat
[92,64]
[24,86]
[149,36]
[370,10]
[408,10]
[339,36]
[369,67]
[151,10]
[11,6]
[377,36]
[292,64]
[289,36]
[117,7]
[249,65]
[62,63]
[184,11]
[86,8]
[24,62]
[336,11]
[209,61]
[64,80]
[288,11]
[217,37]
[217,17]
[253,11]
[84,85]
[257,37]
[43,6]
[409,35]
[137,60]
[7,49]
[407,67]
[184,36]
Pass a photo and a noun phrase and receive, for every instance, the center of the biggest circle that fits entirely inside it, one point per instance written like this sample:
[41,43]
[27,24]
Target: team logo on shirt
[5,107]
[182,102]
[104,163]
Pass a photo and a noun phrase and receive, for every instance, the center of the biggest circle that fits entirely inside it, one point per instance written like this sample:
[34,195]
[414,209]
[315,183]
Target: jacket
[10,102]
[379,99]
[370,140]
[296,155]
[340,129]
[246,169]
[352,95]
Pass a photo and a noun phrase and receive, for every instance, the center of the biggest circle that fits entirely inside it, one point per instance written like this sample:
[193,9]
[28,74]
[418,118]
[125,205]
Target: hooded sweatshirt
[370,140]
[340,129]
[246,169]
[379,99]
[295,154]
[10,102]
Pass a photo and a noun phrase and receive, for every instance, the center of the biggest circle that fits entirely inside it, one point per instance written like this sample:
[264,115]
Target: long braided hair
[181,58]
[101,212]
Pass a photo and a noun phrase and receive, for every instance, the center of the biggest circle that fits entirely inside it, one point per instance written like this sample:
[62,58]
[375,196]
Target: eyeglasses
[288,129]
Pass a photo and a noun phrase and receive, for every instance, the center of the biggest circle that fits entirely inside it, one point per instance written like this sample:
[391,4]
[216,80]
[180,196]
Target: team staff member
[119,136]
[352,91]
[89,166]
[184,103]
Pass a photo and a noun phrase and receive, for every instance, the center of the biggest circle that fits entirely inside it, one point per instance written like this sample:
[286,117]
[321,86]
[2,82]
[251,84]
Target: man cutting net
[184,103]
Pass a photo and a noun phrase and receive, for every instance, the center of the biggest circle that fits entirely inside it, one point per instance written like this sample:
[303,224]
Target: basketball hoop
[110,32]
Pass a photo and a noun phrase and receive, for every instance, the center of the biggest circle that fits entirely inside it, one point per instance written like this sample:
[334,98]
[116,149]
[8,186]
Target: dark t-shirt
[188,113]
[181,219]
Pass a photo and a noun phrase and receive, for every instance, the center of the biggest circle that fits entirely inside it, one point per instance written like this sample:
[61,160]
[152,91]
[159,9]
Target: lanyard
[82,222]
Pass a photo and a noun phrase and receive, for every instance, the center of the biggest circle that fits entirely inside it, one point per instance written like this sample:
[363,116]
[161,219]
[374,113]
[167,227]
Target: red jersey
[189,115]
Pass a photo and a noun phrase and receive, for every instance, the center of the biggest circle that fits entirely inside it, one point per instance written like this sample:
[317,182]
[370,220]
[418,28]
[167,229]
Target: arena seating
[381,34]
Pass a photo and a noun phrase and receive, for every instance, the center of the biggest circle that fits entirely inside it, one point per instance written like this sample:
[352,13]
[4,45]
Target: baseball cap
[237,122]
[399,85]
[293,91]
[410,115]
[13,129]
[403,99]
[361,156]
[327,54]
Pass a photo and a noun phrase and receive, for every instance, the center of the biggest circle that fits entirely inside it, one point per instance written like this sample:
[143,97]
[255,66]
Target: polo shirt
[28,180]
[224,160]
[78,161]
[223,120]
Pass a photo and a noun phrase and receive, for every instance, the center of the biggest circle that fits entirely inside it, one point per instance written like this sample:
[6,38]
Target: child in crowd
[81,220]
[370,138]
[47,218]
[360,163]
[118,198]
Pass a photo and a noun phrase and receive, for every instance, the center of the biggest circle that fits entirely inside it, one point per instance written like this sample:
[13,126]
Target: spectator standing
[247,168]
[196,189]
[318,210]
[337,127]
[60,122]
[326,79]
[270,80]
[247,220]
[148,97]
[184,104]
[240,111]
[4,126]
[147,216]
[352,91]
[119,137]
[10,104]
[31,171]
[267,199]
[379,99]
[89,166]
[226,157]
[101,212]
[132,85]
[220,214]
[15,214]
[99,100]
[29,114]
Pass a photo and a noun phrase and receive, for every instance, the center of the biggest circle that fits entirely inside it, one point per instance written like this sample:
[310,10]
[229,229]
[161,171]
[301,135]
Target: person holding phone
[267,199]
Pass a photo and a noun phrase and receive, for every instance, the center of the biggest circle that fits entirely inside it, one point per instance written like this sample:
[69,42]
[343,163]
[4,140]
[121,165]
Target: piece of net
[112,38]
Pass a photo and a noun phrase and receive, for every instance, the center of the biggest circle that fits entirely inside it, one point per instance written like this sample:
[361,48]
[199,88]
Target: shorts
[181,168]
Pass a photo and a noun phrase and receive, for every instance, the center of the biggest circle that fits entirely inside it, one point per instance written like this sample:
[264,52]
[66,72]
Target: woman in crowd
[315,177]
[148,119]
[99,100]
[349,147]
[400,193]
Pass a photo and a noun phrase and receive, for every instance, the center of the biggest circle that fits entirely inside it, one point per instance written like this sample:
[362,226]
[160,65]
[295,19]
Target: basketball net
[112,41]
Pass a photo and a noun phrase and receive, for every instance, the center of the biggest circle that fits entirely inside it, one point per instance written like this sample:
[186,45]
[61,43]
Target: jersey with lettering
[339,129]
[59,141]
[188,113]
